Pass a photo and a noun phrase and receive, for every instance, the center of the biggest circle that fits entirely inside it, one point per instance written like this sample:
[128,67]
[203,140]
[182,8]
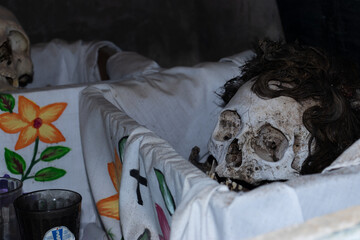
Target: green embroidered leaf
[121,146]
[165,192]
[49,174]
[7,102]
[53,153]
[14,162]
[111,235]
[146,235]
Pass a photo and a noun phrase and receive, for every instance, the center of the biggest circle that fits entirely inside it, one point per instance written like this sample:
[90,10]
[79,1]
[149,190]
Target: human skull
[258,139]
[15,63]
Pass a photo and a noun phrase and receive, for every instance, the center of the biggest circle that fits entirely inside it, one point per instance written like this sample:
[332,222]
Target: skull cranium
[260,139]
[15,63]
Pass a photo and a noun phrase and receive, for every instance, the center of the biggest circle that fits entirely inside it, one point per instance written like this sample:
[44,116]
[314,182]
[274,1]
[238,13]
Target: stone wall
[176,32]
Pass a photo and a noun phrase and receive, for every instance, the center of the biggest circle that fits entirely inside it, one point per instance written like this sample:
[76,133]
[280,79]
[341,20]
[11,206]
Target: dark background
[332,25]
[185,32]
[172,32]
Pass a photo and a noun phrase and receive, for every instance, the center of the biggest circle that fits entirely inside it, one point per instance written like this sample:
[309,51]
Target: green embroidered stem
[30,177]
[33,161]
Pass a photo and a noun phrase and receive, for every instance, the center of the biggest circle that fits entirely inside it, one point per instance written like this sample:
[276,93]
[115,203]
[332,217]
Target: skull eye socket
[228,126]
[5,53]
[270,144]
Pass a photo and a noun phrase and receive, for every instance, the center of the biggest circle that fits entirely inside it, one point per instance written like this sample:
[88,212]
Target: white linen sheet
[130,139]
[162,114]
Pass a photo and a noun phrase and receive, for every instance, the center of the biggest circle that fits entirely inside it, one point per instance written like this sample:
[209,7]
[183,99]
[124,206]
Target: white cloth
[68,124]
[62,63]
[163,113]
[59,63]
[179,104]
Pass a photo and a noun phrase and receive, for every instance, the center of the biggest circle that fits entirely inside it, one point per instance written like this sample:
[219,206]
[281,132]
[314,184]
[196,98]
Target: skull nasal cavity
[37,123]
[228,126]
[234,154]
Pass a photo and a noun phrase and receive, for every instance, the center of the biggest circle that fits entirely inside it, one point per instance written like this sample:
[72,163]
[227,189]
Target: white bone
[271,142]
[15,61]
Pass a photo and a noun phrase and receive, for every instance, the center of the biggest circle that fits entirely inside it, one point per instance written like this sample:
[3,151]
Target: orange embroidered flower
[33,121]
[109,207]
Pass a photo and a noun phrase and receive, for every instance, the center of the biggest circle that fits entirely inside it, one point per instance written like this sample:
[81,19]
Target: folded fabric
[62,63]
[148,122]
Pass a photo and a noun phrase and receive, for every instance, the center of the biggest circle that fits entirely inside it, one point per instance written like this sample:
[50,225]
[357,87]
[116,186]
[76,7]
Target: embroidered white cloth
[126,145]
[151,119]
[147,93]
[55,63]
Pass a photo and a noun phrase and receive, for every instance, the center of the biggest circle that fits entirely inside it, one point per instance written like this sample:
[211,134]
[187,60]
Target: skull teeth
[232,185]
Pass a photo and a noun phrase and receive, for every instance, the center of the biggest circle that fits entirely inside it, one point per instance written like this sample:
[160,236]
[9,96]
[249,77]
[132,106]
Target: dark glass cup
[10,189]
[49,214]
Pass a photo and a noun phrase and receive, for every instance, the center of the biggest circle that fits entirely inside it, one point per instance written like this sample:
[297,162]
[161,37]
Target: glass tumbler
[49,214]
[10,189]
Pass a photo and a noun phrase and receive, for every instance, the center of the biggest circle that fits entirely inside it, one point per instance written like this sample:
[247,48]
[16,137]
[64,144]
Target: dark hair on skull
[302,73]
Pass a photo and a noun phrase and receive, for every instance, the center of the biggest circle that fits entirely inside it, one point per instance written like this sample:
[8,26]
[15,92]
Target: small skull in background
[16,67]
[259,139]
